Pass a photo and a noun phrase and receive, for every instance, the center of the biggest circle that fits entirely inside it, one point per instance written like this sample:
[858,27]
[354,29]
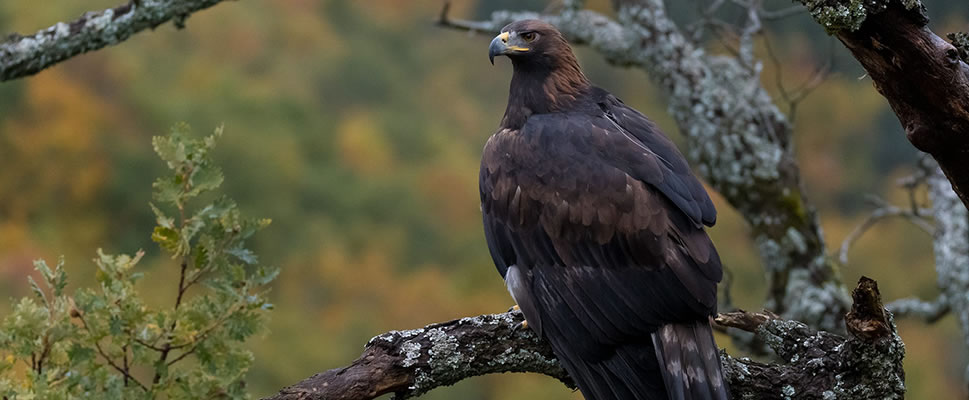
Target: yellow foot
[517,308]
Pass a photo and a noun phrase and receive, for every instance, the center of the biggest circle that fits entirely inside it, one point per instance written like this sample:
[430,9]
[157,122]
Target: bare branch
[782,13]
[817,364]
[694,30]
[743,320]
[752,28]
[22,56]
[444,20]
[794,98]
[884,211]
[927,311]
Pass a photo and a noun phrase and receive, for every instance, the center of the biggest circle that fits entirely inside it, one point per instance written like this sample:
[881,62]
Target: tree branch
[922,76]
[913,307]
[951,246]
[884,211]
[97,345]
[410,363]
[22,56]
[821,365]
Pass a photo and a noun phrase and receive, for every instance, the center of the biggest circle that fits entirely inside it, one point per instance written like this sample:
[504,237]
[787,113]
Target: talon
[521,326]
[516,307]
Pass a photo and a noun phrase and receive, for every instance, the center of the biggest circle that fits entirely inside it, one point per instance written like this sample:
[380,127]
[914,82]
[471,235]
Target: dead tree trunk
[923,77]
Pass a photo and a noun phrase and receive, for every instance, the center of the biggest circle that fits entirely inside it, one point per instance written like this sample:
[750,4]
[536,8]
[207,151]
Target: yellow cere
[504,39]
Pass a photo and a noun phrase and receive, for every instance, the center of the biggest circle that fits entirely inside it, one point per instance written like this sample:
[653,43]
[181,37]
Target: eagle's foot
[524,324]
[519,327]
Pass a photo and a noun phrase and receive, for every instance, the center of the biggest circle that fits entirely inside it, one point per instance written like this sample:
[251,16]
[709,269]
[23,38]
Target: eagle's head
[546,75]
[530,42]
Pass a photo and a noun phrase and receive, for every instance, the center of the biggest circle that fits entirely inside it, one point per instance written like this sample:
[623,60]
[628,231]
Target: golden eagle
[596,223]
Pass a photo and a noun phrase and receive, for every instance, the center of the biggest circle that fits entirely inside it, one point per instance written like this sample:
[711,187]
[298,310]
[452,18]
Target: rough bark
[867,364]
[22,56]
[922,76]
[737,137]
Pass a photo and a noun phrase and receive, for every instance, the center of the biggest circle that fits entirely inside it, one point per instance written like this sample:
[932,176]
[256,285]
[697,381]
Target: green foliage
[105,342]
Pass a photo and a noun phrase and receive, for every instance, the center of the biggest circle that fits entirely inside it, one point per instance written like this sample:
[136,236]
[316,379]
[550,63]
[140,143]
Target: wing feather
[676,180]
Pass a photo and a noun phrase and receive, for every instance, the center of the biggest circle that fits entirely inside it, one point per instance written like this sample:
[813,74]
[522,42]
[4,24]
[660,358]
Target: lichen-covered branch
[951,246]
[22,56]
[924,78]
[913,307]
[817,365]
[410,363]
[737,137]
[884,211]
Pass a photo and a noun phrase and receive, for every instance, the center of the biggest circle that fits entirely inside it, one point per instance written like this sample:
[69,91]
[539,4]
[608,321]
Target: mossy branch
[22,56]
[817,365]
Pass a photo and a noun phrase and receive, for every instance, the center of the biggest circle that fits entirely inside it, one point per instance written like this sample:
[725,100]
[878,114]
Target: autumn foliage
[107,342]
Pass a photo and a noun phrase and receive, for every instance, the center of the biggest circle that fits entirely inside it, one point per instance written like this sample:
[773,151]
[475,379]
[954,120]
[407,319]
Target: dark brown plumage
[595,221]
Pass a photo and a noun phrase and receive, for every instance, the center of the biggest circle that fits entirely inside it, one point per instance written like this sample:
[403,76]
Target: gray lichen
[411,363]
[444,350]
[837,15]
[787,391]
[960,40]
[951,246]
[412,352]
[25,55]
[882,364]
[444,354]
[848,15]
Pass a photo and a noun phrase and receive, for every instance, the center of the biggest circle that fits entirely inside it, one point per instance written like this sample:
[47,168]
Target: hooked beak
[500,46]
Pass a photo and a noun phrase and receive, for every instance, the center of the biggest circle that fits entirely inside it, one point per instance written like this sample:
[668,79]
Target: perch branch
[22,56]
[865,365]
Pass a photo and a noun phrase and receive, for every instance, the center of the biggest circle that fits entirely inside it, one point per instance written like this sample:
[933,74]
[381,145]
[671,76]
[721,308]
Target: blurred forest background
[357,128]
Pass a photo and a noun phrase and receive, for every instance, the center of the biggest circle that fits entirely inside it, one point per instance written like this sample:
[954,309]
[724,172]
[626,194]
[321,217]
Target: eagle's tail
[679,362]
[631,373]
[690,362]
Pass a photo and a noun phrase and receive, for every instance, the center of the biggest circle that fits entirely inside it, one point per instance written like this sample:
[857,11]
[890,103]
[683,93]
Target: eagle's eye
[529,36]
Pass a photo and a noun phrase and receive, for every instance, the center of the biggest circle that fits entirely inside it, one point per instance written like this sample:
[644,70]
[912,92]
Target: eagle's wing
[576,210]
[677,181]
